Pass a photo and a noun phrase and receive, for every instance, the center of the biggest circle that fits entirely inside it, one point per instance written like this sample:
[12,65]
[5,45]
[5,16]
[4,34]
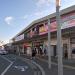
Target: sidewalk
[69,62]
[69,68]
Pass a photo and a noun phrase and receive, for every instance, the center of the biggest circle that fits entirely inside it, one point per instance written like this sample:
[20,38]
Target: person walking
[33,53]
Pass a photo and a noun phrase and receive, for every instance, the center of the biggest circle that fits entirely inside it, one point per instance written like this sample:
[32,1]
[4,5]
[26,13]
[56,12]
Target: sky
[15,15]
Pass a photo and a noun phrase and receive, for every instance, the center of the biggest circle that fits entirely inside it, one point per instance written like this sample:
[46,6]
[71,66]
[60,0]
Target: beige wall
[64,41]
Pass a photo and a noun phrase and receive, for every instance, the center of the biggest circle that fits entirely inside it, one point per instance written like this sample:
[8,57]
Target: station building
[35,35]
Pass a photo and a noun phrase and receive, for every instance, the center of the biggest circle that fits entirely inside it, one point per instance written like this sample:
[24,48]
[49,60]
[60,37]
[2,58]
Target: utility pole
[49,45]
[59,41]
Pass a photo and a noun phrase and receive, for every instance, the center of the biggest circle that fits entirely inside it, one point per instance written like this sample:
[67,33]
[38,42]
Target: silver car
[3,52]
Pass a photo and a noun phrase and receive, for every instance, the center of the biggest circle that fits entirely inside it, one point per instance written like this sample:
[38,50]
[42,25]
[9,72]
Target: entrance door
[54,50]
[25,50]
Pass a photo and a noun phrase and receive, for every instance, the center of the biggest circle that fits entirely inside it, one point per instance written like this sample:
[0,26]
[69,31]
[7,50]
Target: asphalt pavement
[3,64]
[23,65]
[13,65]
[20,68]
[68,67]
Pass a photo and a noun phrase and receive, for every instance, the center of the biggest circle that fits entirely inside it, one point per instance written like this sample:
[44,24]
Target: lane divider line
[5,58]
[7,68]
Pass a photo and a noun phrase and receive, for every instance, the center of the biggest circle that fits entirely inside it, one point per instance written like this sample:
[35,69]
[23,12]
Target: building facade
[35,36]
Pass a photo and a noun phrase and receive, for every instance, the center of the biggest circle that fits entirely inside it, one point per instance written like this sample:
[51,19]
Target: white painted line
[21,68]
[5,58]
[42,70]
[27,61]
[7,69]
[8,66]
[34,63]
[70,67]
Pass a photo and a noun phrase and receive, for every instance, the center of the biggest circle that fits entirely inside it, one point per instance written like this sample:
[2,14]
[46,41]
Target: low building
[35,35]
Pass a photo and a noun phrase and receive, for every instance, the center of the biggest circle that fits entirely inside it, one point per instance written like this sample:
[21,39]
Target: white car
[3,52]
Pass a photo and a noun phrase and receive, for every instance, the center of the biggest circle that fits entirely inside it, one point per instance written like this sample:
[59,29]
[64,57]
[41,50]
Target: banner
[53,25]
[20,37]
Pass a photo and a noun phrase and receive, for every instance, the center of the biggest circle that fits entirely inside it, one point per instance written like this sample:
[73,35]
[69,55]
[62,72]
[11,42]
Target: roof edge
[63,11]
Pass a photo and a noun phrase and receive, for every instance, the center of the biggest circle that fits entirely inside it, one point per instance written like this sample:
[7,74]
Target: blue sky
[15,15]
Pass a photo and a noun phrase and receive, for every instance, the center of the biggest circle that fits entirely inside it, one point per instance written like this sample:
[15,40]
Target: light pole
[59,41]
[49,45]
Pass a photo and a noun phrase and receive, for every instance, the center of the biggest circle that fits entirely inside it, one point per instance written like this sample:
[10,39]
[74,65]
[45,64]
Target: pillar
[18,50]
[23,49]
[69,49]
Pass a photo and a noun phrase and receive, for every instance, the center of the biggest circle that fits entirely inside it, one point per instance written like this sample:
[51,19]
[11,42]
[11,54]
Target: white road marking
[34,63]
[7,69]
[8,66]
[42,70]
[21,68]
[5,58]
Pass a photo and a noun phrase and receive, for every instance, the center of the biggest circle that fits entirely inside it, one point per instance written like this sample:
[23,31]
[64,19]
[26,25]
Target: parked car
[3,52]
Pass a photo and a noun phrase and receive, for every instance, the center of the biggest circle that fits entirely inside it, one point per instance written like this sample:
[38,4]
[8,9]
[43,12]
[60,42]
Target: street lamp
[59,43]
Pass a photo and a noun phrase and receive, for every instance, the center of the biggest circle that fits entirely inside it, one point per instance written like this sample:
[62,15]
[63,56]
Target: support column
[69,49]
[49,45]
[18,50]
[23,49]
[59,38]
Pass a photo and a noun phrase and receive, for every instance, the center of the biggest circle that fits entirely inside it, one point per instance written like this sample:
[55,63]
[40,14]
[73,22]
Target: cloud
[44,2]
[9,19]
[1,43]
[43,13]
[6,41]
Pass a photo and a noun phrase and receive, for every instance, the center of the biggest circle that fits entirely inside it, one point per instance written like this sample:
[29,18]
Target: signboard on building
[67,24]
[43,29]
[53,25]
[20,37]
[27,44]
